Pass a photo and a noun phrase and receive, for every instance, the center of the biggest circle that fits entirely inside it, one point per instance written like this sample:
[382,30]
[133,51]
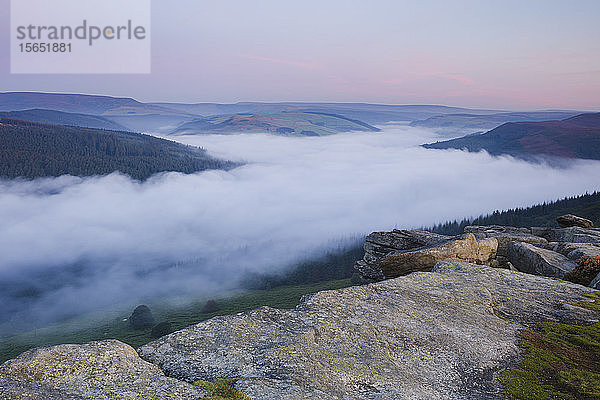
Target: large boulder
[441,335]
[469,249]
[575,251]
[534,260]
[400,252]
[573,234]
[566,221]
[379,244]
[96,370]
[505,235]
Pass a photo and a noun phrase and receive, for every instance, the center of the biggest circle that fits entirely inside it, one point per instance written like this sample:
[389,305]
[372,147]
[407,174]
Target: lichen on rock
[442,335]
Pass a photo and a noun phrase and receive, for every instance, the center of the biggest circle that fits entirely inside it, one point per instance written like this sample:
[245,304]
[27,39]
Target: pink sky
[491,54]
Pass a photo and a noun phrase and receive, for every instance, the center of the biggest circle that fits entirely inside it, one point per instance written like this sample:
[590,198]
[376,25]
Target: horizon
[296,102]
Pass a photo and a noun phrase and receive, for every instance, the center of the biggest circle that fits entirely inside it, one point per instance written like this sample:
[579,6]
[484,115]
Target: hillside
[464,124]
[370,113]
[62,118]
[123,107]
[575,137]
[32,150]
[286,123]
[77,103]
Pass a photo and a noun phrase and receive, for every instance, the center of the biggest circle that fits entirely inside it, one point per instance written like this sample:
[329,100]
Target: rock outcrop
[566,221]
[552,252]
[398,263]
[445,334]
[505,235]
[575,251]
[534,260]
[97,370]
[573,234]
[400,252]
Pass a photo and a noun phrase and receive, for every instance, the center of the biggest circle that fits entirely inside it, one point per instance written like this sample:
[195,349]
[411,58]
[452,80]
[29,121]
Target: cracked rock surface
[445,334]
[97,370]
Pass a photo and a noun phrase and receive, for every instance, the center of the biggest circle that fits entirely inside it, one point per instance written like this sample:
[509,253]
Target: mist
[70,245]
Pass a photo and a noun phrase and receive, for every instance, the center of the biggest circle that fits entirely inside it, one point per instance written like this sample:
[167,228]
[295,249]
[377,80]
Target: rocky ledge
[445,334]
[552,252]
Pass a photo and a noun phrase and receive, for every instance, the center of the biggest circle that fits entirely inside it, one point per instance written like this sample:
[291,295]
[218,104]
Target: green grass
[222,389]
[110,324]
[561,362]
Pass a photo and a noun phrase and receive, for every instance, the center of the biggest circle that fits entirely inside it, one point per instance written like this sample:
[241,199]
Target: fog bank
[70,244]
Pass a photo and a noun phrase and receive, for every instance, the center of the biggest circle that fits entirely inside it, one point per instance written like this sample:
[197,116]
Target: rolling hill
[32,150]
[464,124]
[575,137]
[78,103]
[285,123]
[62,118]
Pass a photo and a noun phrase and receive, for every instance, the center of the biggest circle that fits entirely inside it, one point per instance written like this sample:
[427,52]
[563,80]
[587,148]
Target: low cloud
[69,245]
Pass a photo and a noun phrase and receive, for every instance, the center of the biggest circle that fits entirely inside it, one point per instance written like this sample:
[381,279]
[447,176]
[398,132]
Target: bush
[211,306]
[161,329]
[141,318]
[356,279]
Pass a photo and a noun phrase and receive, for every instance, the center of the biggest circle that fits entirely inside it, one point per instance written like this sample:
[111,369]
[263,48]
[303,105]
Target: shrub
[356,279]
[161,329]
[222,389]
[211,306]
[141,318]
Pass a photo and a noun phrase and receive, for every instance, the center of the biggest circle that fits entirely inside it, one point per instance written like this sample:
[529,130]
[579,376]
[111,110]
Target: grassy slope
[110,325]
[576,137]
[287,123]
[561,362]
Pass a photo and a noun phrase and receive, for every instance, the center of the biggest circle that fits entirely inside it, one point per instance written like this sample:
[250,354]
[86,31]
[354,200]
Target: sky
[109,239]
[508,54]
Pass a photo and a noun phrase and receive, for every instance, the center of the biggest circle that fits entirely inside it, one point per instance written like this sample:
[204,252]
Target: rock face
[566,221]
[505,235]
[96,370]
[379,244]
[534,260]
[440,335]
[575,251]
[398,263]
[400,252]
[573,234]
[552,252]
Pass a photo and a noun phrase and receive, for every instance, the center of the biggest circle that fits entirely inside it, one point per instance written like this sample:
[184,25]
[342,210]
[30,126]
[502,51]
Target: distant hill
[286,123]
[78,103]
[369,113]
[62,118]
[575,137]
[449,125]
[32,150]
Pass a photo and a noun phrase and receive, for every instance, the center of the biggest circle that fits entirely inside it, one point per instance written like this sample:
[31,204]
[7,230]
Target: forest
[32,150]
[587,206]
